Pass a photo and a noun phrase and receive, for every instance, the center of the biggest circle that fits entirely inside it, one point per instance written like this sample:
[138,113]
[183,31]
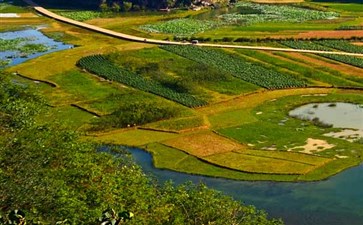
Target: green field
[219,112]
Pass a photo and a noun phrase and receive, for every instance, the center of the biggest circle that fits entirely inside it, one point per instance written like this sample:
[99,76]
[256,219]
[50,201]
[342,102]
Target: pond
[336,201]
[339,115]
[19,46]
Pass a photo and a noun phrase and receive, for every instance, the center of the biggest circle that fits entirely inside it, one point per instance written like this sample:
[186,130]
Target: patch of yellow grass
[203,144]
[134,137]
[257,164]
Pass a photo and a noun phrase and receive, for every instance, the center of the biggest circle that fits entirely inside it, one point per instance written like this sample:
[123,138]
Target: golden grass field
[203,144]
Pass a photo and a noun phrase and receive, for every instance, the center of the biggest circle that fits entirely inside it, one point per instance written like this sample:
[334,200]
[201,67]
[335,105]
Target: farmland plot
[275,13]
[351,60]
[239,68]
[104,68]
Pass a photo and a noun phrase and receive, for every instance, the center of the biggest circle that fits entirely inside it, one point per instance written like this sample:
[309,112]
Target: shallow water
[336,201]
[35,37]
[340,115]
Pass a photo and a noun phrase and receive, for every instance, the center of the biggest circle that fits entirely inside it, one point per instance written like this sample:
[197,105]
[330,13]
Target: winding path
[111,33]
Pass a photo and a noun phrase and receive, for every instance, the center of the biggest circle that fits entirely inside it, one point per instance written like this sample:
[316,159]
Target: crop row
[237,67]
[101,66]
[351,60]
[342,45]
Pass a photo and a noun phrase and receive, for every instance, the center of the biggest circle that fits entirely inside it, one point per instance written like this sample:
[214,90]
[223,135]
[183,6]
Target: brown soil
[331,34]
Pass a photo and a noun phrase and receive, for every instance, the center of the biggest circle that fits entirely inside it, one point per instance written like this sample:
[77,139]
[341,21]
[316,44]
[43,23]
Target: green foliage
[308,71]
[181,73]
[101,66]
[55,178]
[110,217]
[257,13]
[82,15]
[238,67]
[18,105]
[181,27]
[341,45]
[135,114]
[351,60]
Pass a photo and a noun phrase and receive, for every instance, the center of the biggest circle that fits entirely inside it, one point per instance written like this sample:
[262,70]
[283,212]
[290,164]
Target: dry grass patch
[257,164]
[204,144]
[133,137]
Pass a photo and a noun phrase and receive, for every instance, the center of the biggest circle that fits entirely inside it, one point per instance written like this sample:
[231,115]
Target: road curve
[111,33]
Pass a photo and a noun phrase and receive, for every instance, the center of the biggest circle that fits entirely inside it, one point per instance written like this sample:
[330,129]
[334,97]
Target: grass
[257,164]
[350,7]
[264,133]
[291,156]
[178,124]
[76,85]
[232,105]
[183,73]
[70,116]
[203,144]
[314,75]
[231,118]
[164,158]
[113,101]
[134,137]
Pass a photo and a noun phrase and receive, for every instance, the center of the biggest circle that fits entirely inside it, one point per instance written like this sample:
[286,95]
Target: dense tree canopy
[47,172]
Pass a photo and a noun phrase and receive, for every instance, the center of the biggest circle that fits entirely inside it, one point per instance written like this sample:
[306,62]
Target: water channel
[335,201]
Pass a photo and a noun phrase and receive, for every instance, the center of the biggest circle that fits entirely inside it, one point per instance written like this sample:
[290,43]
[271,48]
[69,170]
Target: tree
[52,176]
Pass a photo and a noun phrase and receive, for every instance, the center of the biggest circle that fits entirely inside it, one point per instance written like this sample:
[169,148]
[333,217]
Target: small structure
[164,10]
